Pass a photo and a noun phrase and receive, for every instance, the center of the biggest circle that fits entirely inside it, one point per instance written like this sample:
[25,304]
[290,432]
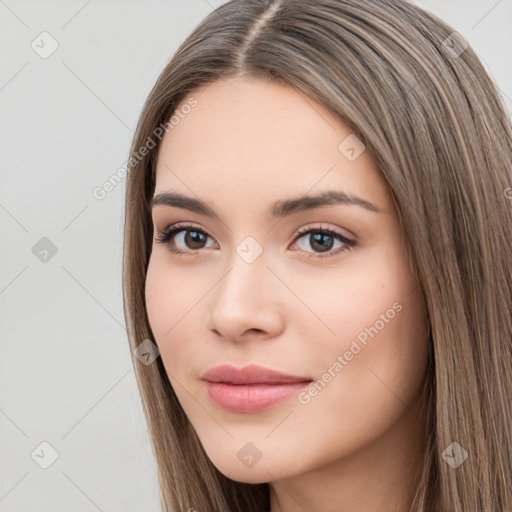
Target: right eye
[186,235]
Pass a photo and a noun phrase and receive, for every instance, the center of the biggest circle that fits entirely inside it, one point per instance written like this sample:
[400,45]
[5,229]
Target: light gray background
[66,122]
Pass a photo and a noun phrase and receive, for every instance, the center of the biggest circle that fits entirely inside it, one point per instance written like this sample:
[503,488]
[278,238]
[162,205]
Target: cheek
[169,299]
[377,346]
[170,296]
[175,308]
[368,375]
[360,304]
[159,296]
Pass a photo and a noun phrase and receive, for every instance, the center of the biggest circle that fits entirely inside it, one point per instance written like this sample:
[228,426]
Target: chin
[248,477]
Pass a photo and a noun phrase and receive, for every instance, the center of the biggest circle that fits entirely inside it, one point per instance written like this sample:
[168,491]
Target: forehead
[252,140]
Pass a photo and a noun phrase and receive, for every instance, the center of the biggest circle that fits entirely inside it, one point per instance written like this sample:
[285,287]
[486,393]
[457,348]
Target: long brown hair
[418,97]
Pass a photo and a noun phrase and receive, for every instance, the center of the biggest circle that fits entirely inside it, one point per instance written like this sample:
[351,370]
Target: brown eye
[322,240]
[183,238]
[194,239]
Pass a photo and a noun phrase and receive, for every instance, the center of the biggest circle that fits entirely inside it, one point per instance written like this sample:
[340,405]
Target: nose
[246,302]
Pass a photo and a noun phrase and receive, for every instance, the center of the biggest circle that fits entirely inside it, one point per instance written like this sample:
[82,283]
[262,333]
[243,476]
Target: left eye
[192,238]
[323,240]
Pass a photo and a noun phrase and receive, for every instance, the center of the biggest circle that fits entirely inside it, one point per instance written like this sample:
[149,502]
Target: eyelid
[335,230]
[176,227]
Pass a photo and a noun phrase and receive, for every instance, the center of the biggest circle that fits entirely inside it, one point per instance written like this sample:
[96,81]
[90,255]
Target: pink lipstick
[252,388]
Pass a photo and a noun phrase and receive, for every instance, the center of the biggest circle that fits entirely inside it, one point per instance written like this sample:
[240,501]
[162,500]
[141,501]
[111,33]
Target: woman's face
[339,309]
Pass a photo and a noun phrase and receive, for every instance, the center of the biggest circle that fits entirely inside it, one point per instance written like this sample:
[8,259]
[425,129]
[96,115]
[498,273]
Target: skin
[356,444]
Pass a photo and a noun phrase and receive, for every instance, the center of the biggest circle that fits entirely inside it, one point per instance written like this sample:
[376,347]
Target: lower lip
[253,397]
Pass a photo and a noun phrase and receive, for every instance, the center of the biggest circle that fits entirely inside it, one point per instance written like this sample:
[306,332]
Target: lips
[252,388]
[251,374]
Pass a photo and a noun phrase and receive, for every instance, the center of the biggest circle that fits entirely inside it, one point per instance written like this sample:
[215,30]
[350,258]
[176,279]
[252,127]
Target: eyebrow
[281,208]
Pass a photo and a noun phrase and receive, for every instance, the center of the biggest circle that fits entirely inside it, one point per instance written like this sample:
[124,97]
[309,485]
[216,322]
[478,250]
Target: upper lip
[251,374]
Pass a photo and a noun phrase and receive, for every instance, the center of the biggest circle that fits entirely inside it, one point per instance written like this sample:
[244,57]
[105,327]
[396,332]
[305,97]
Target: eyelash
[165,236]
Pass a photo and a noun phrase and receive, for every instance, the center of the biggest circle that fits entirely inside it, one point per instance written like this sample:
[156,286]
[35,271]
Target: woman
[317,239]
